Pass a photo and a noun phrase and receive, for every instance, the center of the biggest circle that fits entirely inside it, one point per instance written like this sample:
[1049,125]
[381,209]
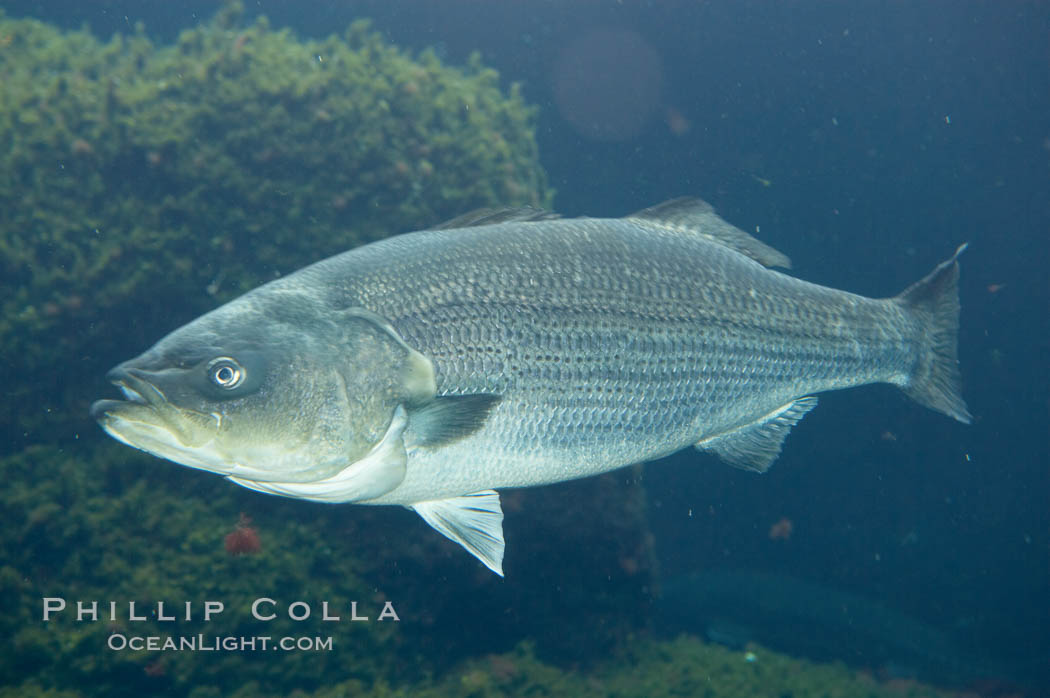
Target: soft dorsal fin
[697,216]
[491,216]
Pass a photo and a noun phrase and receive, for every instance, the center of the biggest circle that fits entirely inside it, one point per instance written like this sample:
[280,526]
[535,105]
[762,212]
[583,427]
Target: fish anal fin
[377,473]
[448,418]
[475,521]
[698,217]
[756,445]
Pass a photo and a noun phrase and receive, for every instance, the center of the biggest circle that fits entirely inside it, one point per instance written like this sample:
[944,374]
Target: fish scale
[569,358]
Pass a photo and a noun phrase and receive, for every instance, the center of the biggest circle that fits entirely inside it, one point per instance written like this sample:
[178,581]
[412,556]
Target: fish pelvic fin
[756,445]
[475,521]
[936,382]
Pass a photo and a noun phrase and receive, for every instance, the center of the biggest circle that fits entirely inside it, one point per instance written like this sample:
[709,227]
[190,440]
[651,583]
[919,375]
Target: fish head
[267,390]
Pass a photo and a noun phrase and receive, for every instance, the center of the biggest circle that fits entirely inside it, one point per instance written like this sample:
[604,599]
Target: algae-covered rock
[654,669]
[102,523]
[88,525]
[141,185]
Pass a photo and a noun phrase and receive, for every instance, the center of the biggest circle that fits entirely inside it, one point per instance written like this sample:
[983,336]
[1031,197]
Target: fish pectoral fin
[448,418]
[756,445]
[475,521]
[377,473]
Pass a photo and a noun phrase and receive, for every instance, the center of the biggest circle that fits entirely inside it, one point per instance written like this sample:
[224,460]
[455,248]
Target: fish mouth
[146,420]
[138,393]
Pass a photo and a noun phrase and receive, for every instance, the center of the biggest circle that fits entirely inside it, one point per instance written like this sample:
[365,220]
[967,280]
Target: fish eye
[226,373]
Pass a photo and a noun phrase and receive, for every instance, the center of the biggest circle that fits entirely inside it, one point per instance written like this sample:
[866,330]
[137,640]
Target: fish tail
[936,382]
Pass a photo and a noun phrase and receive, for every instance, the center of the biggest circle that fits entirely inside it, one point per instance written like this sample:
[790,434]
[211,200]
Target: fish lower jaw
[162,443]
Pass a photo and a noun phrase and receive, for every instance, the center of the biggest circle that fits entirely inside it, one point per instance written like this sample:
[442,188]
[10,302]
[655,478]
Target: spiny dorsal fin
[697,216]
[491,216]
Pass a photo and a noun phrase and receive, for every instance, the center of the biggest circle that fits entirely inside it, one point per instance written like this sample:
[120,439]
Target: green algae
[91,523]
[141,185]
[99,522]
[684,666]
[98,530]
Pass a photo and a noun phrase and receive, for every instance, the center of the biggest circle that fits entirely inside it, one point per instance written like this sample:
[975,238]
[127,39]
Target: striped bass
[514,349]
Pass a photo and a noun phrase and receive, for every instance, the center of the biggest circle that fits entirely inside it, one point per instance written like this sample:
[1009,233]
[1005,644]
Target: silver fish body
[535,350]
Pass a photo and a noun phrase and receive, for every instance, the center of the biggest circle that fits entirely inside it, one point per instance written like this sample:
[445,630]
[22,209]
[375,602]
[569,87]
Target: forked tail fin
[935,299]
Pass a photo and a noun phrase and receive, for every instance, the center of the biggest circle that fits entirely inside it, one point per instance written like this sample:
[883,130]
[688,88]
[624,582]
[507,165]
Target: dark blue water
[867,141]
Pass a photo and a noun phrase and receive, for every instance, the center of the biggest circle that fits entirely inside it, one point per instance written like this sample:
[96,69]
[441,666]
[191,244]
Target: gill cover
[377,473]
[415,372]
[380,377]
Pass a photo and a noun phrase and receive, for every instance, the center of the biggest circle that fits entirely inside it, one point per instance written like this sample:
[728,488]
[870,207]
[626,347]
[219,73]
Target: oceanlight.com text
[217,643]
